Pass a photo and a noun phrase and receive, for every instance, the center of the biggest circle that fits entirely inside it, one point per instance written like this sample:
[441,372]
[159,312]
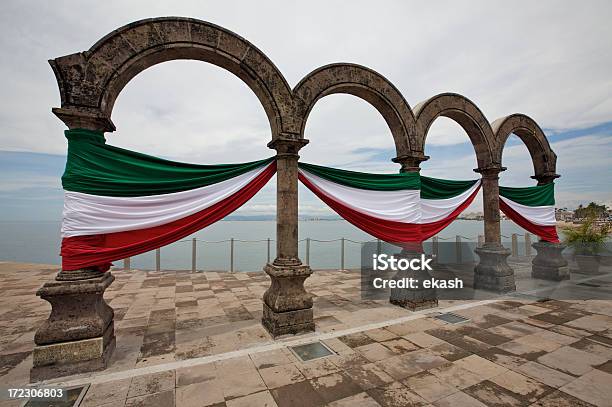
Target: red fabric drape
[100,250]
[546,233]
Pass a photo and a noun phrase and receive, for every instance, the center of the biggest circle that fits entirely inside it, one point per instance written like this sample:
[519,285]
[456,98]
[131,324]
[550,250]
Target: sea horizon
[39,242]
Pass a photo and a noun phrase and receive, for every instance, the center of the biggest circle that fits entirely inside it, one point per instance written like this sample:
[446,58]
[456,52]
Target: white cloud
[547,59]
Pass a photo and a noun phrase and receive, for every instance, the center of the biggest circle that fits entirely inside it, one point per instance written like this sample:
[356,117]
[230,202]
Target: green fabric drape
[540,195]
[431,188]
[363,180]
[96,168]
[436,188]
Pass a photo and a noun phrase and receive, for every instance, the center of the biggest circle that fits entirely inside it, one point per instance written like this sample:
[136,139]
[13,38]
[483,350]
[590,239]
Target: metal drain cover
[311,351]
[451,318]
[72,398]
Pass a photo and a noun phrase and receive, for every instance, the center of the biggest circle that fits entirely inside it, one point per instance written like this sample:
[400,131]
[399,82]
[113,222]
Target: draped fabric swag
[397,208]
[120,203]
[532,208]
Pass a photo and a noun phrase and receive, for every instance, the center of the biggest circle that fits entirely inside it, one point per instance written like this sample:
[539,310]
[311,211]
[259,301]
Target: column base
[493,272]
[287,307]
[287,323]
[73,357]
[413,299]
[415,305]
[79,335]
[549,264]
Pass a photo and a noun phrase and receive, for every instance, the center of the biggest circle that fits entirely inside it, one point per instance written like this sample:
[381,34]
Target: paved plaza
[195,339]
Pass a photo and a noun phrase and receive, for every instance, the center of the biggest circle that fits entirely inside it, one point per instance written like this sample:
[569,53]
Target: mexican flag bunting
[532,208]
[397,208]
[119,203]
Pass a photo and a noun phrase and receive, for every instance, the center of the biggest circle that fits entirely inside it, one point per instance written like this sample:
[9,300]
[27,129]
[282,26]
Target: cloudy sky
[549,60]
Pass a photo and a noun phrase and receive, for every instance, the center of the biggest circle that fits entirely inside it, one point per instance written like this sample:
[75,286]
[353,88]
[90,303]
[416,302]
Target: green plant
[587,239]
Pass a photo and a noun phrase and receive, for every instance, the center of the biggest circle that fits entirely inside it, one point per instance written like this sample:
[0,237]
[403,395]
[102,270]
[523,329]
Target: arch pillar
[492,272]
[79,335]
[80,118]
[287,307]
[545,178]
[413,299]
[549,263]
[411,162]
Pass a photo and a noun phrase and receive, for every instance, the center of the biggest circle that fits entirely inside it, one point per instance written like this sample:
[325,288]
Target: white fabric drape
[538,215]
[86,214]
[433,210]
[404,206]
[397,206]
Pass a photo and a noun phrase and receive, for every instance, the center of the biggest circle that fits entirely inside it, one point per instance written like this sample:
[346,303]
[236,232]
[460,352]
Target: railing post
[481,240]
[514,245]
[458,249]
[232,255]
[127,264]
[158,259]
[308,251]
[435,249]
[527,244]
[378,246]
[268,251]
[193,255]
[342,254]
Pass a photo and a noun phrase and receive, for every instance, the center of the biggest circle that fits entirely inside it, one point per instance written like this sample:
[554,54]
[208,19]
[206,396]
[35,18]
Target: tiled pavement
[516,353]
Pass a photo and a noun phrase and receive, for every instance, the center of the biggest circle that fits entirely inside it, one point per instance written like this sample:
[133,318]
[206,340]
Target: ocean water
[39,242]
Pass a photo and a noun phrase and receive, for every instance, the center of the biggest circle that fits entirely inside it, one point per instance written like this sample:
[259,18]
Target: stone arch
[90,81]
[465,113]
[366,84]
[543,158]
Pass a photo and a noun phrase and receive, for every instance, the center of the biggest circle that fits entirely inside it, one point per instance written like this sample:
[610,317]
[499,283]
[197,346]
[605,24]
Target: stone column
[545,178]
[413,298]
[411,162]
[549,263]
[287,307]
[79,334]
[492,272]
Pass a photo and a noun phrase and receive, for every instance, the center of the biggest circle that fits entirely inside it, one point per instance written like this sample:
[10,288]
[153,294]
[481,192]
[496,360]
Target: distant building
[471,216]
[564,215]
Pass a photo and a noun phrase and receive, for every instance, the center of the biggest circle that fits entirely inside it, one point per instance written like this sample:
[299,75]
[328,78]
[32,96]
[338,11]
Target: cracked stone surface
[502,356]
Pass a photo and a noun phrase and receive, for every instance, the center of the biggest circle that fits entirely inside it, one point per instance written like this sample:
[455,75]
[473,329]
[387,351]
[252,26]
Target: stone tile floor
[174,331]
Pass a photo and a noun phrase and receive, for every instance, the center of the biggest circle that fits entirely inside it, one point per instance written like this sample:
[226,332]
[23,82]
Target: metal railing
[435,242]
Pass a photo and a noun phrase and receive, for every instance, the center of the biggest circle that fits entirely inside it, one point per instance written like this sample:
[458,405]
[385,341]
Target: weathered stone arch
[543,158]
[466,114]
[90,81]
[366,84]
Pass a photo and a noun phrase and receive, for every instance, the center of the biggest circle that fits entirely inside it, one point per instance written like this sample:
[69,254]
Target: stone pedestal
[79,334]
[493,272]
[549,263]
[287,307]
[413,299]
